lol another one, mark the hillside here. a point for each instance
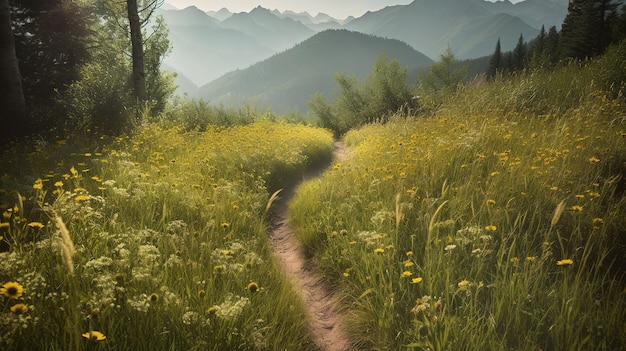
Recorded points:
(207, 45)
(203, 50)
(285, 81)
(471, 27)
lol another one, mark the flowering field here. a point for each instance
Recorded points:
(499, 230)
(155, 242)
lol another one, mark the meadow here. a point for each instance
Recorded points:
(493, 221)
(155, 242)
(495, 224)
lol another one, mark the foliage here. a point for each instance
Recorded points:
(493, 225)
(152, 243)
(441, 80)
(383, 94)
(199, 115)
(52, 42)
(112, 50)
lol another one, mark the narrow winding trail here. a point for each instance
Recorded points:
(319, 300)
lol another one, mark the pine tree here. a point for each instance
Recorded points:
(552, 45)
(519, 54)
(495, 64)
(586, 31)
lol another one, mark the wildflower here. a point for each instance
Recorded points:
(219, 268)
(343, 232)
(576, 208)
(406, 274)
(201, 293)
(531, 259)
(94, 336)
(554, 188)
(37, 225)
(594, 159)
(225, 225)
(253, 287)
(81, 198)
(493, 174)
(597, 220)
(58, 184)
(5, 225)
(491, 202)
(408, 264)
(450, 247)
(19, 308)
(409, 253)
(491, 228)
(379, 251)
(12, 290)
(38, 184)
(421, 304)
(153, 297)
(514, 260)
(416, 280)
(464, 284)
(211, 310)
(565, 262)
(580, 196)
(346, 274)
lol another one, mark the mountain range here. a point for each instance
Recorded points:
(208, 45)
(285, 81)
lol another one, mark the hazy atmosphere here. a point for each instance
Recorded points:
(415, 175)
(338, 9)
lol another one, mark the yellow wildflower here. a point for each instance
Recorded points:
(576, 208)
(12, 290)
(253, 287)
(379, 251)
(416, 280)
(594, 159)
(38, 225)
(38, 184)
(565, 262)
(491, 228)
(464, 284)
(94, 336)
(82, 198)
(406, 274)
(19, 308)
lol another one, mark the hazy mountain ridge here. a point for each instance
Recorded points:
(209, 44)
(285, 81)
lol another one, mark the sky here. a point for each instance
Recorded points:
(337, 8)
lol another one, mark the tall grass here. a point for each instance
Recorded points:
(495, 225)
(169, 238)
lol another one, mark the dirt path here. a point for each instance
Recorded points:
(319, 299)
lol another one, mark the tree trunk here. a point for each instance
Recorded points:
(12, 103)
(139, 76)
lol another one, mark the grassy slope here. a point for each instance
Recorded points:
(169, 233)
(450, 232)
